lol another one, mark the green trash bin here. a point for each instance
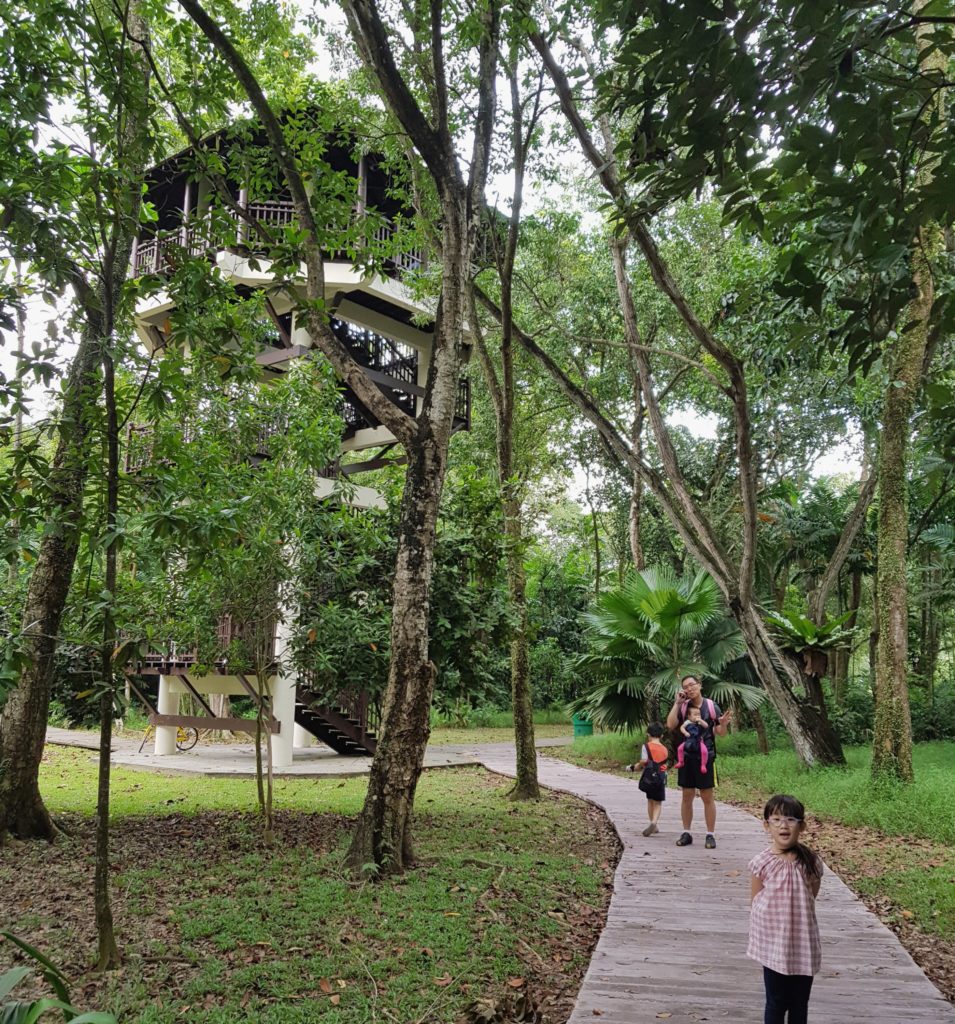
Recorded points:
(582, 726)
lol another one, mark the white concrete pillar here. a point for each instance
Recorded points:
(283, 707)
(168, 704)
(303, 738)
(283, 694)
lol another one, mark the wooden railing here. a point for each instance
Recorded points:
(377, 352)
(360, 706)
(171, 658)
(163, 253)
(141, 442)
(462, 405)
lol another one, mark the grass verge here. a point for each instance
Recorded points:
(494, 734)
(506, 899)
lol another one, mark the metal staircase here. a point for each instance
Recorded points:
(342, 727)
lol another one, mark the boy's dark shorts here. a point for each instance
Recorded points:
(657, 792)
(690, 776)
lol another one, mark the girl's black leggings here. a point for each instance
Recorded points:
(786, 993)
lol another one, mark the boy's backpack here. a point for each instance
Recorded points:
(652, 777)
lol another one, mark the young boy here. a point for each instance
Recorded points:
(655, 750)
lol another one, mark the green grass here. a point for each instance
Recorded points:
(215, 928)
(67, 786)
(925, 809)
(607, 750)
(491, 734)
(923, 895)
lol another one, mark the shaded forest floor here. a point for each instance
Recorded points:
(500, 915)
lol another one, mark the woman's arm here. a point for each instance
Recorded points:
(673, 718)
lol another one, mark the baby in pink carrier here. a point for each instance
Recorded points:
(693, 745)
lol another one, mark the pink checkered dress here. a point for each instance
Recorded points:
(783, 933)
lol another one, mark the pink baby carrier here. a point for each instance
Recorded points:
(710, 715)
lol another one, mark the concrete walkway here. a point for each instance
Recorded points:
(673, 947)
(238, 759)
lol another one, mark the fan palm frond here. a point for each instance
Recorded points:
(720, 643)
(647, 636)
(725, 693)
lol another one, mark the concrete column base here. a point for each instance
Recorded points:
(168, 704)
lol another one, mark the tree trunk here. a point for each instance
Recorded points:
(23, 730)
(762, 742)
(108, 953)
(108, 957)
(382, 840)
(814, 739)
(929, 634)
(596, 532)
(636, 480)
(23, 727)
(840, 674)
(892, 731)
(526, 786)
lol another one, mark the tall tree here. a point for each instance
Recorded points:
(812, 734)
(382, 842)
(907, 358)
(52, 196)
(504, 397)
(825, 130)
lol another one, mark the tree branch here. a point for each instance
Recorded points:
(351, 372)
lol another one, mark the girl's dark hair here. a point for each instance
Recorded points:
(654, 729)
(789, 807)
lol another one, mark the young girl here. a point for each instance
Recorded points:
(783, 933)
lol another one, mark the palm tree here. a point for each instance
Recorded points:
(646, 636)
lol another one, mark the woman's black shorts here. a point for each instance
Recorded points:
(690, 776)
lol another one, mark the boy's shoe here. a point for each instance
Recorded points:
(629, 768)
(651, 829)
(710, 843)
(686, 839)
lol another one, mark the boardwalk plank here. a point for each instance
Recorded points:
(673, 948)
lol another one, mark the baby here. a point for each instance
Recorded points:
(693, 745)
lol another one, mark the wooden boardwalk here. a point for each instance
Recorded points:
(673, 948)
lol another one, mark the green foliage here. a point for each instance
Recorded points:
(647, 636)
(469, 621)
(801, 634)
(14, 1011)
(345, 596)
(812, 122)
(557, 594)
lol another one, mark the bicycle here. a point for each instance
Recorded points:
(186, 737)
